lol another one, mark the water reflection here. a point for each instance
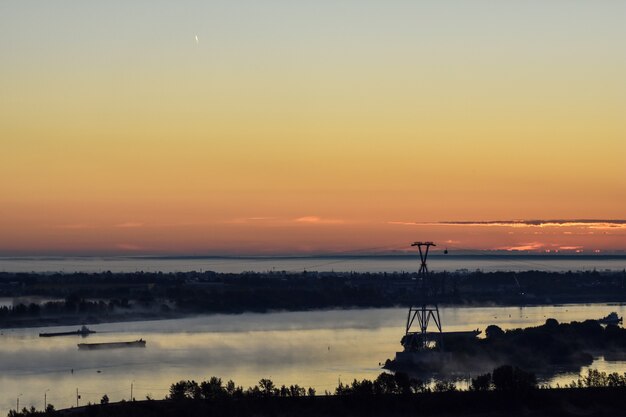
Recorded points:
(308, 348)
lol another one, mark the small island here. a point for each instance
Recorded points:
(538, 349)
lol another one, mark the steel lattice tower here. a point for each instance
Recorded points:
(425, 311)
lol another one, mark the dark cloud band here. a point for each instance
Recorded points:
(559, 222)
(591, 223)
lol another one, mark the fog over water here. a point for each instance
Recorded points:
(298, 264)
(315, 348)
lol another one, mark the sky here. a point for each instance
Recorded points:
(288, 127)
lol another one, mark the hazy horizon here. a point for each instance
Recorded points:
(358, 253)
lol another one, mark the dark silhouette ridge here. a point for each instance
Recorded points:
(507, 391)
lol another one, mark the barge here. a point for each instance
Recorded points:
(83, 331)
(112, 345)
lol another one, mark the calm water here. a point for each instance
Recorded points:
(308, 348)
(340, 264)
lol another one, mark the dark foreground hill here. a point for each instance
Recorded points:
(541, 402)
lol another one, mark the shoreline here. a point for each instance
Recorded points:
(45, 322)
(76, 299)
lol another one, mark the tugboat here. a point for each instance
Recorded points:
(112, 345)
(612, 318)
(83, 331)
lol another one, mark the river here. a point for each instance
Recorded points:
(315, 348)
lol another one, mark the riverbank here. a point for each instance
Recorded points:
(75, 299)
(80, 320)
(129, 317)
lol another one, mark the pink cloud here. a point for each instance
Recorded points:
(243, 220)
(129, 225)
(570, 247)
(75, 226)
(409, 223)
(523, 247)
(129, 247)
(308, 219)
(317, 220)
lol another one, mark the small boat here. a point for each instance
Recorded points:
(83, 331)
(612, 318)
(112, 345)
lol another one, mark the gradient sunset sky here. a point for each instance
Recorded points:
(286, 127)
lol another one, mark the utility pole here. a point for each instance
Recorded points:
(18, 403)
(131, 391)
(45, 399)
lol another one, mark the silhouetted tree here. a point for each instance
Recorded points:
(267, 387)
(508, 378)
(212, 388)
(481, 383)
(444, 386)
(185, 390)
(403, 383)
(386, 384)
(552, 323)
(493, 332)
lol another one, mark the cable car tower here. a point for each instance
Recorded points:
(425, 311)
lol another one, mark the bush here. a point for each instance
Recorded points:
(481, 383)
(183, 390)
(507, 378)
(493, 332)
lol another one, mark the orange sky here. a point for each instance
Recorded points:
(289, 128)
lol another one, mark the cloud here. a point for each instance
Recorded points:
(308, 219)
(317, 220)
(584, 223)
(244, 220)
(570, 247)
(284, 221)
(129, 225)
(129, 246)
(523, 247)
(75, 226)
(410, 223)
(82, 226)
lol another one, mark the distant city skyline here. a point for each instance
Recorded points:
(290, 127)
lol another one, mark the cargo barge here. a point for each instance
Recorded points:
(112, 345)
(83, 331)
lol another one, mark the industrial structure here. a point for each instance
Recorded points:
(424, 338)
(425, 310)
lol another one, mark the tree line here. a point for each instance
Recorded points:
(508, 381)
